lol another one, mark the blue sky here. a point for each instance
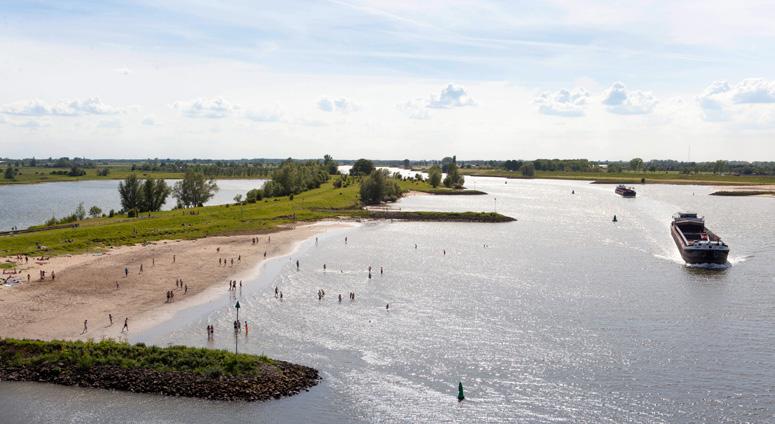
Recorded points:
(388, 79)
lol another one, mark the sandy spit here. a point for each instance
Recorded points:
(86, 287)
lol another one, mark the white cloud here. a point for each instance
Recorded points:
(37, 107)
(215, 107)
(415, 109)
(149, 121)
(451, 96)
(721, 101)
(563, 102)
(337, 105)
(628, 102)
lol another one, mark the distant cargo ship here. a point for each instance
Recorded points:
(625, 191)
(697, 244)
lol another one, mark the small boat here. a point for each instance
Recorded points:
(697, 244)
(624, 191)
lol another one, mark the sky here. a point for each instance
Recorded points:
(388, 79)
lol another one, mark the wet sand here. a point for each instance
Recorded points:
(85, 284)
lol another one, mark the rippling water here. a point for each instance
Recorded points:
(23, 205)
(560, 316)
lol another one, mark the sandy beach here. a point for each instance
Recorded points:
(91, 286)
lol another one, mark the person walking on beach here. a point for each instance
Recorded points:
(246, 327)
(141, 268)
(153, 261)
(126, 325)
(126, 272)
(324, 268)
(275, 291)
(185, 291)
(345, 240)
(173, 259)
(297, 264)
(340, 297)
(110, 317)
(381, 271)
(53, 276)
(85, 329)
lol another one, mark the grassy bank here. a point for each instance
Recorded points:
(176, 370)
(743, 193)
(264, 216)
(441, 216)
(425, 187)
(630, 177)
(31, 175)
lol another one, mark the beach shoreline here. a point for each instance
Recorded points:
(85, 284)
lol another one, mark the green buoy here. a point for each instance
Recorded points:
(460, 395)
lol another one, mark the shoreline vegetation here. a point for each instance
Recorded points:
(172, 371)
(628, 177)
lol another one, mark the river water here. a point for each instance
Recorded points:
(561, 316)
(23, 205)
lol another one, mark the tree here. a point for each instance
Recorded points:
(636, 164)
(80, 212)
(95, 211)
(130, 193)
(362, 167)
(528, 169)
(377, 187)
(238, 198)
(512, 165)
(10, 172)
(719, 166)
(434, 176)
(453, 178)
(194, 190)
(331, 166)
(154, 194)
(254, 195)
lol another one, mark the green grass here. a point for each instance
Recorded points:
(6, 265)
(425, 187)
(631, 177)
(263, 216)
(31, 175)
(83, 355)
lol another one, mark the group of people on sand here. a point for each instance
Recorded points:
(233, 285)
(124, 329)
(210, 331)
(179, 284)
(224, 261)
(277, 293)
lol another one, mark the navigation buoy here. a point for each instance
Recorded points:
(460, 395)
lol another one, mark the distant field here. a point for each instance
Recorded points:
(631, 177)
(31, 175)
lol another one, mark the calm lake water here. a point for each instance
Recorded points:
(563, 317)
(23, 205)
